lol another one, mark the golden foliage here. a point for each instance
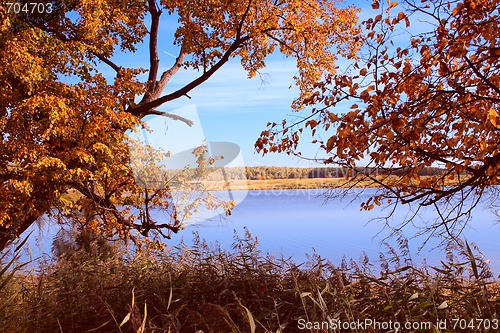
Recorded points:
(63, 122)
(430, 101)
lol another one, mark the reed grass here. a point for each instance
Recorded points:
(203, 288)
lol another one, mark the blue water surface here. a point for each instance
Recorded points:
(294, 223)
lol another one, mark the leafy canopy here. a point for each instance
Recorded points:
(414, 100)
(63, 122)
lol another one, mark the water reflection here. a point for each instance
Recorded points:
(296, 222)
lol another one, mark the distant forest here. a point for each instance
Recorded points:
(273, 172)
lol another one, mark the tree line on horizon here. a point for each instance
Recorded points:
(276, 172)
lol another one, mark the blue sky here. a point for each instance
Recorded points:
(231, 107)
(235, 109)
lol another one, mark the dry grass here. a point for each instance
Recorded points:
(313, 183)
(204, 288)
(307, 183)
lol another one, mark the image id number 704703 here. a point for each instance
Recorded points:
(29, 7)
(477, 324)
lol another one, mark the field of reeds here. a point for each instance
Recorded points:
(203, 288)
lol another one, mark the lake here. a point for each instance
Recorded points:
(297, 222)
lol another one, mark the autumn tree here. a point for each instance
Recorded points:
(423, 91)
(63, 122)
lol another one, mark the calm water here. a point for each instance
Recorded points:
(296, 222)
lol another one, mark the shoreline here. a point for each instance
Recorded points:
(301, 183)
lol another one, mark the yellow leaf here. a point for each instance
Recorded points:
(492, 117)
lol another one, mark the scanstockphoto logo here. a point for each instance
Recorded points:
(170, 151)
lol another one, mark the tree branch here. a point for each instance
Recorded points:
(188, 122)
(282, 43)
(481, 75)
(167, 75)
(242, 21)
(107, 62)
(103, 203)
(154, 61)
(142, 109)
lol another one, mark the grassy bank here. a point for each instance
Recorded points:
(206, 289)
(306, 183)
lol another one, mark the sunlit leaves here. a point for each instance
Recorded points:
(432, 99)
(59, 136)
(312, 32)
(63, 121)
(493, 117)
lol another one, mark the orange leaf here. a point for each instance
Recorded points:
(492, 117)
(330, 143)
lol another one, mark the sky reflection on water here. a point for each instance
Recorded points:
(296, 222)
